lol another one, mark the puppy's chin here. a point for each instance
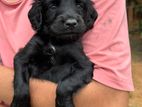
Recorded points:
(66, 35)
(70, 37)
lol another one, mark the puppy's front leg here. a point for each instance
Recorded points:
(21, 84)
(68, 86)
(83, 70)
(22, 73)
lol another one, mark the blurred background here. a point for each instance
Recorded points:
(134, 11)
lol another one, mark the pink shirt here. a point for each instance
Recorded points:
(107, 44)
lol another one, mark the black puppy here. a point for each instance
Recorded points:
(55, 52)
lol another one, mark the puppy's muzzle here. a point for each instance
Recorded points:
(70, 23)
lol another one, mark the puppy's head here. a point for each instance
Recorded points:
(62, 18)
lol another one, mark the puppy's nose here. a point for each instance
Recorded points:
(71, 23)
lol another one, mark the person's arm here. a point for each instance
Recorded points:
(6, 90)
(6, 85)
(43, 93)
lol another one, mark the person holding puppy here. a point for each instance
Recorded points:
(107, 46)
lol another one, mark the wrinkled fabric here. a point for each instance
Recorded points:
(1, 61)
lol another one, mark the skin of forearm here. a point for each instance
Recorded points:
(6, 84)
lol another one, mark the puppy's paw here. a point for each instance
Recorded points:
(20, 102)
(64, 102)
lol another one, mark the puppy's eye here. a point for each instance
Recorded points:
(52, 7)
(79, 5)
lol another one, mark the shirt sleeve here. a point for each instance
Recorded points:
(107, 45)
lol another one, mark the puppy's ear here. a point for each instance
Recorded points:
(91, 15)
(35, 15)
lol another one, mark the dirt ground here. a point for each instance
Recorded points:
(136, 47)
(136, 96)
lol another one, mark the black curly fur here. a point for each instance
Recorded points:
(55, 52)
